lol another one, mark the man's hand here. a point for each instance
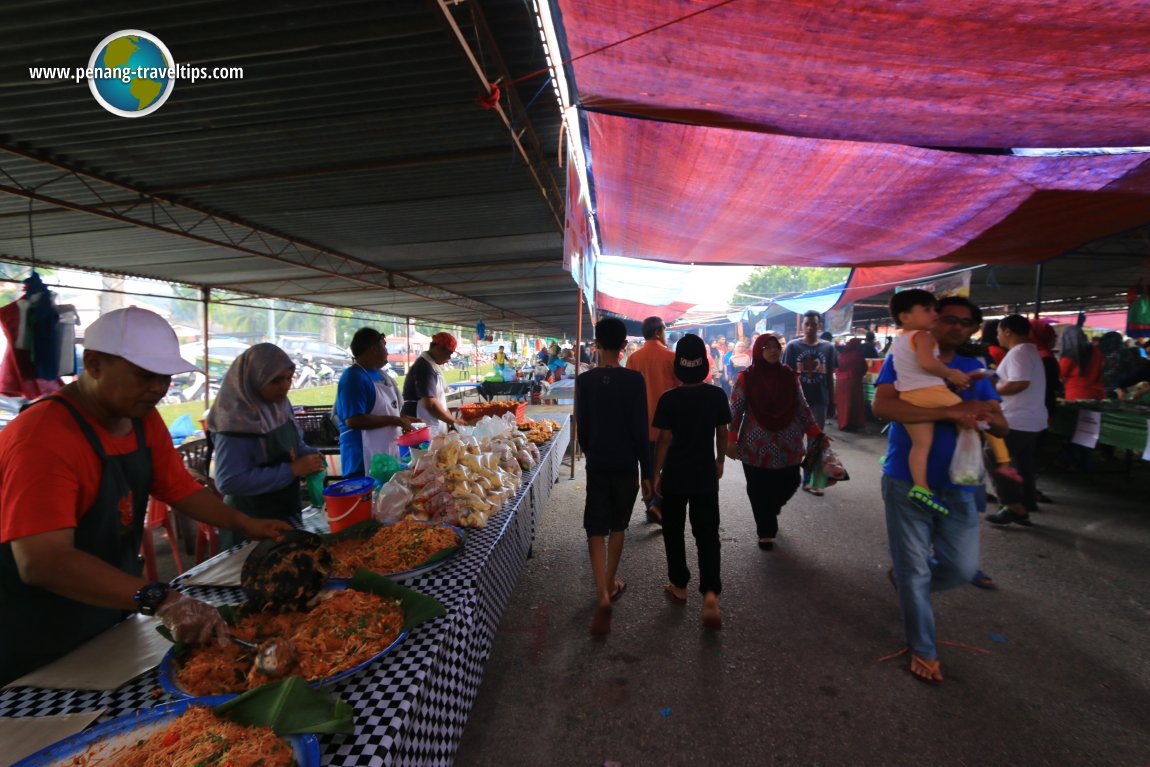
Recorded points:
(968, 414)
(258, 529)
(648, 490)
(719, 468)
(191, 620)
(405, 422)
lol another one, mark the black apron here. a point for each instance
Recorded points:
(38, 626)
(280, 445)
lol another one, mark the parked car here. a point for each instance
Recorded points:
(317, 352)
(399, 358)
(222, 352)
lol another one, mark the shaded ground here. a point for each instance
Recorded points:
(794, 677)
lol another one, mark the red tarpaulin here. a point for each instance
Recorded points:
(868, 281)
(638, 311)
(688, 194)
(941, 73)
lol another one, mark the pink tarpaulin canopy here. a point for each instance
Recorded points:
(639, 311)
(952, 73)
(688, 194)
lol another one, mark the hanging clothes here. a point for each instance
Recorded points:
(1138, 315)
(31, 363)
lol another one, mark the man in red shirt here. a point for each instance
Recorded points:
(657, 364)
(76, 471)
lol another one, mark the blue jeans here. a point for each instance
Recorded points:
(912, 534)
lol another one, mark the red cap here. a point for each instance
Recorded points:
(446, 340)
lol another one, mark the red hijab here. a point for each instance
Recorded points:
(771, 390)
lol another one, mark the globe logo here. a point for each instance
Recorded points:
(131, 73)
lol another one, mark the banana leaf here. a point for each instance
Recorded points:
(290, 707)
(417, 608)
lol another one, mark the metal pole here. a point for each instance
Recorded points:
(578, 358)
(407, 357)
(206, 297)
(1037, 291)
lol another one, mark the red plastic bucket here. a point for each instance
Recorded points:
(348, 502)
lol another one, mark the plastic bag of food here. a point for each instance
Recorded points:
(966, 466)
(390, 504)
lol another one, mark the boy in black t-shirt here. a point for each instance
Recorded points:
(611, 426)
(692, 421)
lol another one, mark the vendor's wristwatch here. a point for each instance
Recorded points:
(151, 597)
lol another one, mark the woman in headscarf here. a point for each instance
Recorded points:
(850, 404)
(771, 417)
(260, 454)
(1080, 365)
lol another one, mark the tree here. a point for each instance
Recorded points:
(770, 281)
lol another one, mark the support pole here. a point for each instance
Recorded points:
(578, 362)
(1037, 291)
(206, 297)
(407, 357)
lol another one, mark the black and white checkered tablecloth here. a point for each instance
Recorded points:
(411, 706)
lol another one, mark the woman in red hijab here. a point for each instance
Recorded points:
(770, 417)
(850, 404)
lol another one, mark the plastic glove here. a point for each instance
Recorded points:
(193, 621)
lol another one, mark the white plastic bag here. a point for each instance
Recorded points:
(966, 466)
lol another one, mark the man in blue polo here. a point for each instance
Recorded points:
(929, 551)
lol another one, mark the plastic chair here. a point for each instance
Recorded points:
(158, 519)
(207, 541)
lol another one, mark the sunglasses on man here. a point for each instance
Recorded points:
(950, 319)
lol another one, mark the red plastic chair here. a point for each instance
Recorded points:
(158, 519)
(207, 541)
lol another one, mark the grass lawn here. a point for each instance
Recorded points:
(316, 395)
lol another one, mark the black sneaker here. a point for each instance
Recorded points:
(1005, 516)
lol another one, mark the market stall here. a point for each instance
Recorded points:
(1104, 422)
(412, 705)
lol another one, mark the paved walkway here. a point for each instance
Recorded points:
(794, 677)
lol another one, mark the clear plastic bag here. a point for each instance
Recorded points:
(391, 501)
(966, 466)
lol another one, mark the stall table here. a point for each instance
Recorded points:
(520, 390)
(1123, 425)
(410, 707)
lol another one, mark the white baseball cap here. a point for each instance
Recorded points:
(141, 337)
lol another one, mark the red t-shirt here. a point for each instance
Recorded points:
(1083, 384)
(49, 474)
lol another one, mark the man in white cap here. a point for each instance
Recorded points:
(76, 471)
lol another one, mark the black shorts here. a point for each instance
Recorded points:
(610, 500)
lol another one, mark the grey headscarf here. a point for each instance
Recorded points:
(1076, 346)
(239, 408)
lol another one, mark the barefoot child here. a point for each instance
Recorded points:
(921, 381)
(692, 421)
(611, 421)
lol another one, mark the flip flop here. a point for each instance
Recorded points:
(930, 666)
(812, 490)
(620, 587)
(669, 591)
(601, 623)
(983, 581)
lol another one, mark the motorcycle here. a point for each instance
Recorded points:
(185, 388)
(306, 374)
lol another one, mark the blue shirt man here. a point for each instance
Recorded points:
(931, 552)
